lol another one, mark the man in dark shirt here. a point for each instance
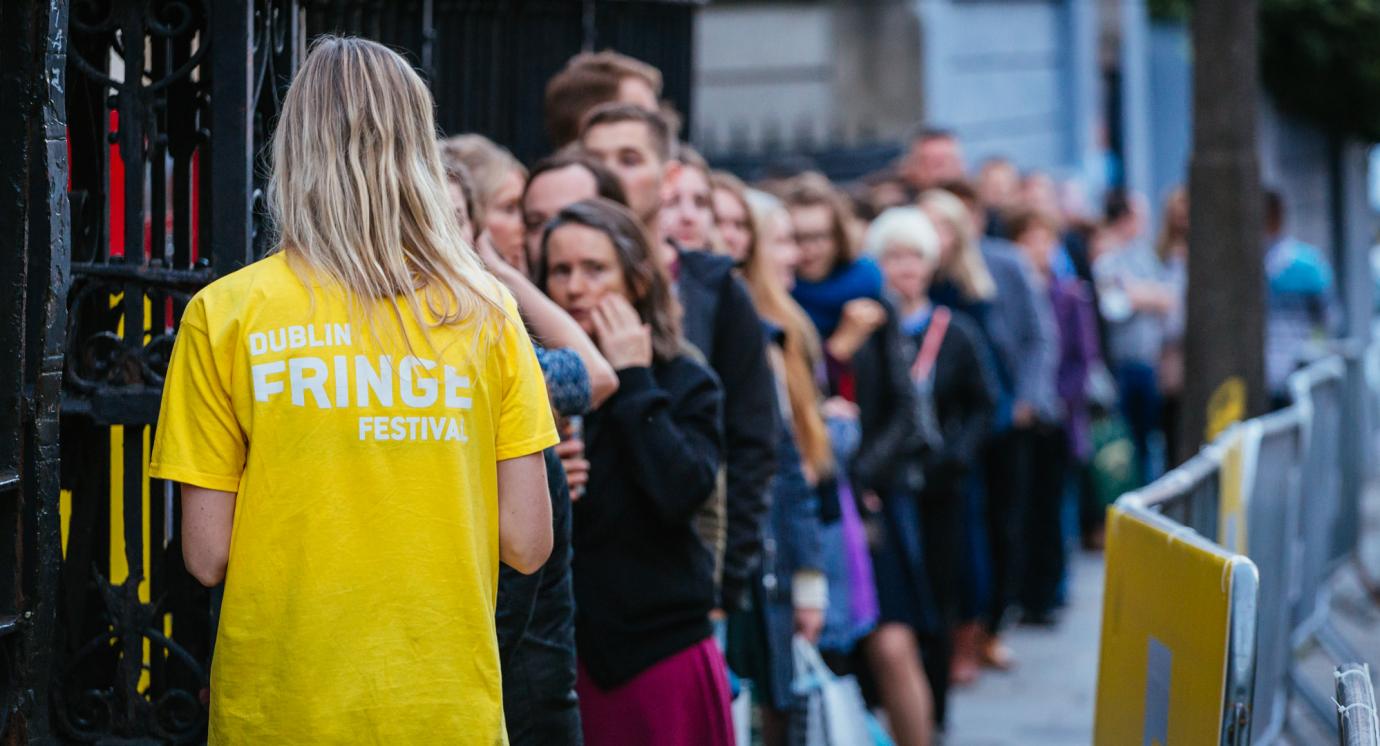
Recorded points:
(720, 321)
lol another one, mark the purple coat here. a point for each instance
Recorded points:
(1078, 354)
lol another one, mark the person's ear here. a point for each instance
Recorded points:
(669, 173)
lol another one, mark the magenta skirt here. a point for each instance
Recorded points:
(681, 701)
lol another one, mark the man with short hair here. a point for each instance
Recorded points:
(719, 320)
(637, 146)
(999, 188)
(935, 158)
(593, 78)
(558, 181)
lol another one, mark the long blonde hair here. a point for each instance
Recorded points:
(358, 193)
(964, 266)
(802, 353)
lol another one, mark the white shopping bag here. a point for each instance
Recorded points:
(742, 715)
(834, 711)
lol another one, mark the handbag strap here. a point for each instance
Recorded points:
(929, 346)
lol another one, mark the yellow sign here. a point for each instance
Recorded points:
(1162, 669)
(1231, 503)
(1236, 480)
(1226, 406)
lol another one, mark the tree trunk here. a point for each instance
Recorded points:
(1225, 342)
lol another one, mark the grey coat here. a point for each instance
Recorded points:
(1021, 329)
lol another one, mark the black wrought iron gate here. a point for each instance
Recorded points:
(167, 106)
(132, 135)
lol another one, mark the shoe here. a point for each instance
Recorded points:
(964, 668)
(995, 654)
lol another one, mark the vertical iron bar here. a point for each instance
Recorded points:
(156, 137)
(133, 117)
(589, 28)
(50, 255)
(428, 38)
(232, 136)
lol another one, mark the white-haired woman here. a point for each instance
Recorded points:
(357, 423)
(956, 394)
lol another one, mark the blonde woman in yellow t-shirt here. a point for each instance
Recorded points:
(356, 422)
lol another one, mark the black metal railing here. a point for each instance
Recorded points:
(151, 119)
(488, 61)
(171, 106)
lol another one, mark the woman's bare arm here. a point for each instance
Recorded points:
(207, 518)
(524, 513)
(553, 326)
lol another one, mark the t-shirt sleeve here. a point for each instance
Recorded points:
(199, 439)
(525, 423)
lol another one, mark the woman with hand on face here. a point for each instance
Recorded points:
(843, 296)
(650, 672)
(535, 614)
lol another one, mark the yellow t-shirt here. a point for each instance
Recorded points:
(360, 590)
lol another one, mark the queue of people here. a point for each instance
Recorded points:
(696, 420)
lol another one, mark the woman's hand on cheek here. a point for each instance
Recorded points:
(624, 340)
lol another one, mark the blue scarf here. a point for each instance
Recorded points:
(823, 301)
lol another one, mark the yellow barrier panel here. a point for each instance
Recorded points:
(1240, 452)
(1166, 633)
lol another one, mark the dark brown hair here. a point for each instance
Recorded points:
(964, 191)
(589, 79)
(642, 273)
(657, 128)
(1019, 221)
(812, 189)
(606, 184)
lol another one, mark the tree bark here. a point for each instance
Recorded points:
(1225, 341)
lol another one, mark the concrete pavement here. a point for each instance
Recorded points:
(1047, 700)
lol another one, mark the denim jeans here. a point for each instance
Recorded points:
(1139, 387)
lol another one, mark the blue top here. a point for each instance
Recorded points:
(567, 381)
(824, 300)
(1300, 307)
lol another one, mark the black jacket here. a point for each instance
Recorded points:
(644, 581)
(535, 621)
(722, 323)
(886, 404)
(965, 397)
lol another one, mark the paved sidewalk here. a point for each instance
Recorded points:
(1048, 699)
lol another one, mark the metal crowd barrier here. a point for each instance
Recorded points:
(1356, 719)
(1177, 656)
(1283, 490)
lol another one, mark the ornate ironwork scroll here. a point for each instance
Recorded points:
(171, 102)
